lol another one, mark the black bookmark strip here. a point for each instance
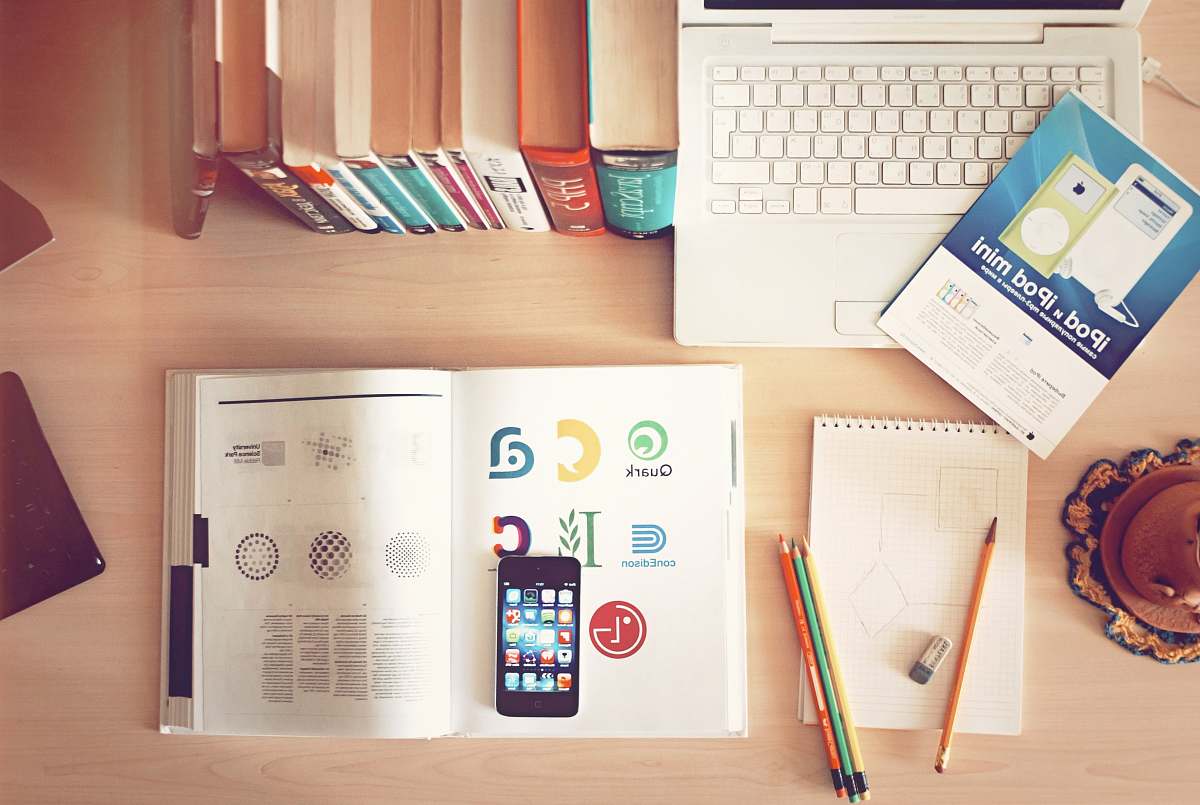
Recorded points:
(199, 540)
(330, 397)
(179, 646)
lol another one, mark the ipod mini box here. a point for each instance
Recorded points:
(1054, 276)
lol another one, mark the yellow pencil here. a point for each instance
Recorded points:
(985, 561)
(856, 757)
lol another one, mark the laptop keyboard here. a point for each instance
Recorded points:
(874, 140)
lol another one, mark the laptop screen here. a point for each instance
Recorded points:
(916, 5)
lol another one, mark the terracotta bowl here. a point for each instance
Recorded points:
(1143, 547)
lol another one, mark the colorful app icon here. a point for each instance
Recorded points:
(547, 596)
(512, 616)
(512, 635)
(566, 616)
(529, 658)
(546, 637)
(512, 656)
(529, 680)
(512, 595)
(547, 681)
(566, 596)
(531, 596)
(564, 656)
(531, 616)
(547, 656)
(564, 681)
(512, 679)
(530, 636)
(548, 617)
(564, 637)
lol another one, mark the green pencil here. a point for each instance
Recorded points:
(831, 702)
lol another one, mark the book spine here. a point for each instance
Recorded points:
(637, 189)
(339, 199)
(568, 187)
(264, 169)
(506, 179)
(470, 180)
(438, 165)
(408, 174)
(365, 198)
(391, 194)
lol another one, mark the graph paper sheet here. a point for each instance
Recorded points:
(899, 511)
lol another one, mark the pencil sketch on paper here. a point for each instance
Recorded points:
(907, 571)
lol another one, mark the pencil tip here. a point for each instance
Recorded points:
(938, 768)
(804, 549)
(991, 535)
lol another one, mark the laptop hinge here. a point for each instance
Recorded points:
(884, 33)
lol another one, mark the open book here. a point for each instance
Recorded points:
(331, 539)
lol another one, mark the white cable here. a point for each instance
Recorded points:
(1152, 71)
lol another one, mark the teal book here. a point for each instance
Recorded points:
(391, 195)
(637, 191)
(631, 76)
(408, 175)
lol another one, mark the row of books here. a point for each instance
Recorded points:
(433, 115)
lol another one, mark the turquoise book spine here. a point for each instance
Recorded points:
(391, 195)
(637, 191)
(405, 171)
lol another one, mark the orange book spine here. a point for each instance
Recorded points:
(565, 179)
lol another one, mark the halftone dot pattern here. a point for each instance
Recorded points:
(329, 555)
(331, 452)
(407, 554)
(256, 556)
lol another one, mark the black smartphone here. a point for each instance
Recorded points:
(537, 636)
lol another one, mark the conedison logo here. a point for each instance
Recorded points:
(648, 538)
(647, 440)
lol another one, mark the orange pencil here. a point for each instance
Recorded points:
(810, 662)
(985, 560)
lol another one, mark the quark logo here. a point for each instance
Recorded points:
(617, 629)
(589, 445)
(647, 440)
(520, 455)
(648, 538)
(524, 535)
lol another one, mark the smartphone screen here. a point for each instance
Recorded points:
(537, 638)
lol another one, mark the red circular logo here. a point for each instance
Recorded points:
(617, 629)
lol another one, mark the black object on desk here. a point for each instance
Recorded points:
(45, 546)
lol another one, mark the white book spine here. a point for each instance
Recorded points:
(489, 96)
(506, 179)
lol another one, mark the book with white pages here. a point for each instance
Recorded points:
(331, 540)
(489, 112)
(899, 509)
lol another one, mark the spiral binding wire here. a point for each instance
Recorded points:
(909, 424)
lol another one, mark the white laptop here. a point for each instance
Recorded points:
(826, 147)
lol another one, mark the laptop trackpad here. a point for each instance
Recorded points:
(871, 268)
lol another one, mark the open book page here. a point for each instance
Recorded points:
(324, 608)
(636, 472)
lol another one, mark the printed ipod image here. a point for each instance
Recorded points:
(1129, 232)
(1058, 214)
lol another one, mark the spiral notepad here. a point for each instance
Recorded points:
(898, 512)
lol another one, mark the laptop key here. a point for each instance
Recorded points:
(835, 200)
(914, 200)
(804, 200)
(731, 95)
(741, 172)
(725, 73)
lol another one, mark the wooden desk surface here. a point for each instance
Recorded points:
(92, 322)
